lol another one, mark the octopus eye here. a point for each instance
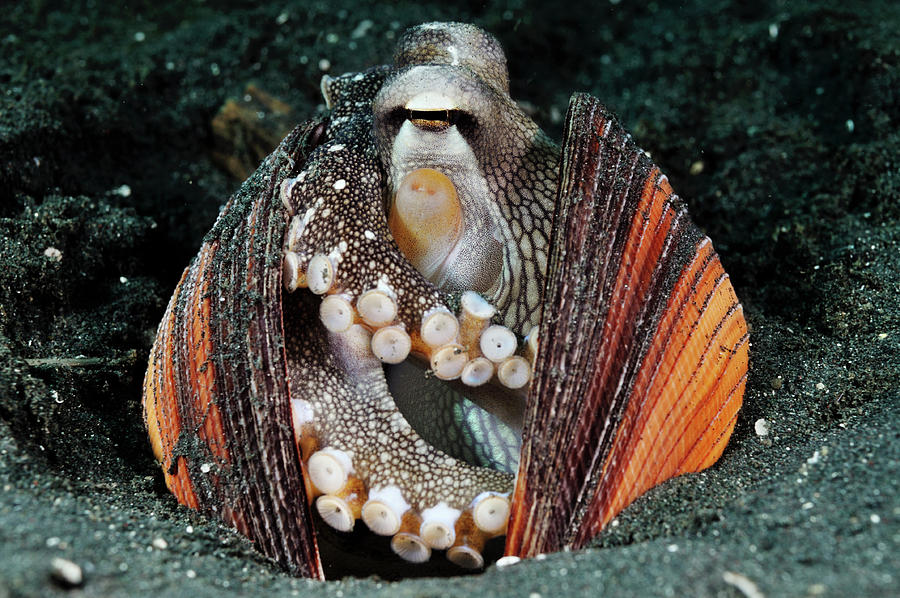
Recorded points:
(433, 120)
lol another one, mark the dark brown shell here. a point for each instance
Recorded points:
(215, 394)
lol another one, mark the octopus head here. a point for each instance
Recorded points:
(459, 155)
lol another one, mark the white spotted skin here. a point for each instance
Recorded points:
(341, 194)
(356, 414)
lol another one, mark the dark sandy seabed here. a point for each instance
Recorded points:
(777, 123)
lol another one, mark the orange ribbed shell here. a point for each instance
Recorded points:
(643, 344)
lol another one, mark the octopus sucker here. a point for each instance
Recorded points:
(424, 321)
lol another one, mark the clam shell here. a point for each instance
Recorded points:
(215, 395)
(643, 344)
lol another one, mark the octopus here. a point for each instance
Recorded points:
(447, 338)
(468, 183)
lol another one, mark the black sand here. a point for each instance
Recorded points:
(778, 124)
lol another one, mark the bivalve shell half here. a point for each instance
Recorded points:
(643, 346)
(215, 393)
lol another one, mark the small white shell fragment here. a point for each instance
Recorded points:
(761, 426)
(744, 584)
(515, 372)
(391, 344)
(506, 561)
(439, 328)
(53, 253)
(498, 343)
(320, 274)
(477, 372)
(336, 313)
(335, 512)
(328, 469)
(376, 308)
(448, 361)
(491, 512)
(66, 572)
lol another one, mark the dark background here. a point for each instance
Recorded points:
(778, 123)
